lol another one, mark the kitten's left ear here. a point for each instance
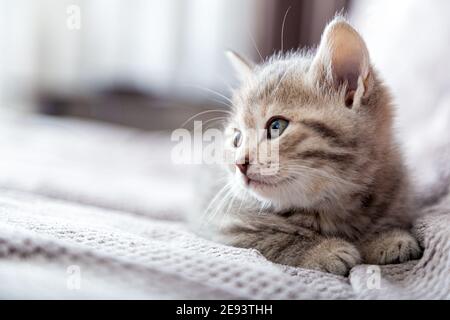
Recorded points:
(343, 59)
(242, 66)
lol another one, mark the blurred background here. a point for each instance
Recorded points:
(146, 63)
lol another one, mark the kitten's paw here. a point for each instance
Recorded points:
(334, 256)
(392, 247)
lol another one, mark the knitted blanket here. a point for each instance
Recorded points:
(96, 211)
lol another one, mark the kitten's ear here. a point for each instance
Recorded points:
(242, 67)
(343, 59)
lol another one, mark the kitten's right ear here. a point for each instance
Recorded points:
(343, 59)
(242, 66)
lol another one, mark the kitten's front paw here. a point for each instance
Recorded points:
(334, 256)
(392, 247)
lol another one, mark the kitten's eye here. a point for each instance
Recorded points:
(276, 128)
(237, 139)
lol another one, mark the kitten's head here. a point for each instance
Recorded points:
(324, 113)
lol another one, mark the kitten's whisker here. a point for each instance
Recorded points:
(221, 204)
(267, 205)
(242, 202)
(261, 208)
(211, 91)
(215, 199)
(227, 212)
(226, 104)
(255, 45)
(203, 113)
(215, 119)
(282, 28)
(226, 83)
(224, 212)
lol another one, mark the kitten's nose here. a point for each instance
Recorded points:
(243, 166)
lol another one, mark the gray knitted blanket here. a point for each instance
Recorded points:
(90, 211)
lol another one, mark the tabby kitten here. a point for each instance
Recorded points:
(340, 195)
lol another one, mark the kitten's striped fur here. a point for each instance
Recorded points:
(341, 195)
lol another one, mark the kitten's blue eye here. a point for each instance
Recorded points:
(276, 128)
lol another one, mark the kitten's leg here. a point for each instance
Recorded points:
(306, 250)
(394, 246)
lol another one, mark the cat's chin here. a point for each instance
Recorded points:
(276, 192)
(278, 195)
(265, 191)
(255, 184)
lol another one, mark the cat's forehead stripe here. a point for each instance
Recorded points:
(287, 86)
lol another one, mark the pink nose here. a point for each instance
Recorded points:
(243, 167)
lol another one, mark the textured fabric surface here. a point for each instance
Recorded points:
(56, 217)
(120, 255)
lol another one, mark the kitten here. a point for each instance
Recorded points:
(341, 193)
